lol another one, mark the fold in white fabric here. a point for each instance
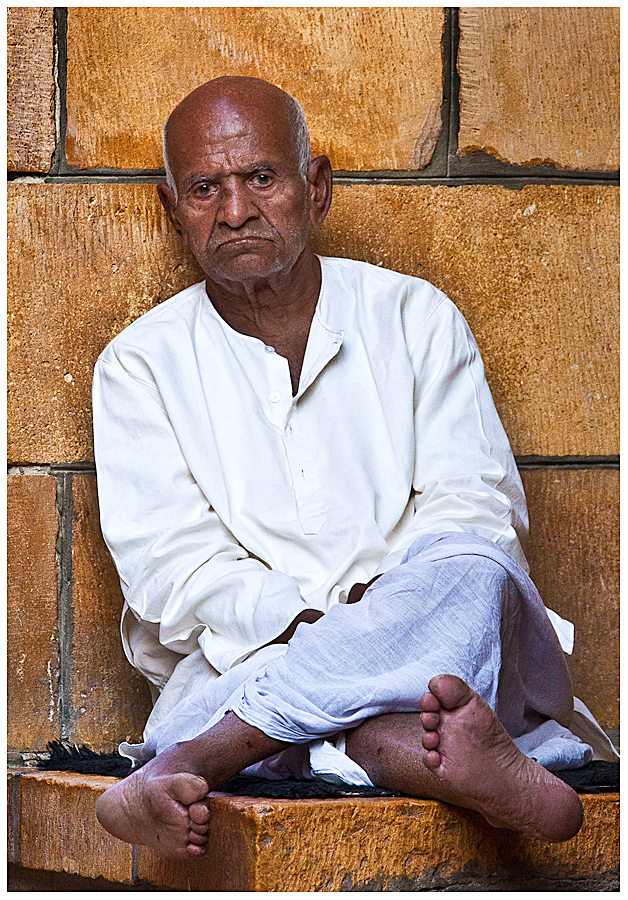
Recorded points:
(554, 747)
(457, 604)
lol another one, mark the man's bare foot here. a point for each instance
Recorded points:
(162, 805)
(165, 812)
(477, 766)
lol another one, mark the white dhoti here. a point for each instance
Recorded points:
(457, 604)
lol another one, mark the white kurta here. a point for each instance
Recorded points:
(229, 506)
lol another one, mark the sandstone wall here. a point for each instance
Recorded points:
(477, 149)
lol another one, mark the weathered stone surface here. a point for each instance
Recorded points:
(84, 262)
(375, 845)
(313, 845)
(541, 85)
(129, 67)
(111, 700)
(30, 88)
(21, 879)
(59, 830)
(574, 561)
(32, 665)
(534, 271)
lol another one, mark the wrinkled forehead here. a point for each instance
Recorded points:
(224, 123)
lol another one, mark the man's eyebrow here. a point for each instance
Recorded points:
(193, 179)
(197, 177)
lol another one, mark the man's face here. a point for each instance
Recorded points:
(242, 207)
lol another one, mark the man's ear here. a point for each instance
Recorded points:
(169, 203)
(319, 178)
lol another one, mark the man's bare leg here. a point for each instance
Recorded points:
(457, 751)
(161, 805)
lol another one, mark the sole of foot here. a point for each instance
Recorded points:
(164, 812)
(477, 766)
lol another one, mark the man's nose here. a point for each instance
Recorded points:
(236, 205)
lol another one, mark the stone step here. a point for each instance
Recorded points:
(380, 844)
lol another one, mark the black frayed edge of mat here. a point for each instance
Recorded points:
(594, 778)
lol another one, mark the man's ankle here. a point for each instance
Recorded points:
(223, 750)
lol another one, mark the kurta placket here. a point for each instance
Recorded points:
(283, 411)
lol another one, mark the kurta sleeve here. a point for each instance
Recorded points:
(182, 571)
(465, 476)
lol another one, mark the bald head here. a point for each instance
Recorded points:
(242, 191)
(232, 94)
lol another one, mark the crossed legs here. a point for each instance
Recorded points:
(454, 750)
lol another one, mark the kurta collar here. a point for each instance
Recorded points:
(326, 332)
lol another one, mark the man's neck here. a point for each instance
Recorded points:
(271, 306)
(277, 310)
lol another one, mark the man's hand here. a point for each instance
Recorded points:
(313, 615)
(308, 615)
(357, 591)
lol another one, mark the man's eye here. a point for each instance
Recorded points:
(203, 189)
(261, 179)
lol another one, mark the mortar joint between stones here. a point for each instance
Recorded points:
(65, 610)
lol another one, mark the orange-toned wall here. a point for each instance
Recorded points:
(497, 182)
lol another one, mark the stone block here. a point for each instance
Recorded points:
(376, 845)
(111, 700)
(574, 560)
(21, 879)
(541, 85)
(30, 88)
(129, 67)
(316, 845)
(84, 262)
(535, 273)
(59, 830)
(33, 647)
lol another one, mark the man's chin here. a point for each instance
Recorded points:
(245, 266)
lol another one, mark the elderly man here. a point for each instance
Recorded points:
(315, 514)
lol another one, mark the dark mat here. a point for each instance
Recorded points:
(594, 778)
(70, 758)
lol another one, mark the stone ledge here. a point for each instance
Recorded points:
(310, 845)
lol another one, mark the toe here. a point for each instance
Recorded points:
(430, 720)
(199, 829)
(451, 691)
(430, 740)
(195, 850)
(429, 703)
(199, 813)
(199, 840)
(431, 759)
(187, 788)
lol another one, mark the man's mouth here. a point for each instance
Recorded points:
(243, 240)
